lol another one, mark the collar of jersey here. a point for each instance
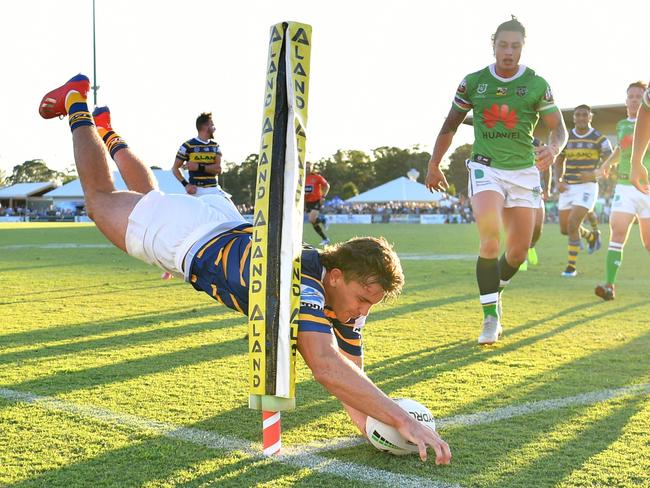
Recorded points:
(493, 72)
(579, 136)
(201, 140)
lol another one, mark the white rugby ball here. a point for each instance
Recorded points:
(388, 439)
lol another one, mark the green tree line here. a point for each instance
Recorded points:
(349, 172)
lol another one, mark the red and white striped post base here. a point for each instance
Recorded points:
(271, 433)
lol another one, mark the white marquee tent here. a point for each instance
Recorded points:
(401, 189)
(71, 195)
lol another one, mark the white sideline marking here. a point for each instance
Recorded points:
(498, 414)
(59, 245)
(73, 245)
(212, 440)
(437, 257)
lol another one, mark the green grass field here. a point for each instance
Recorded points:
(110, 376)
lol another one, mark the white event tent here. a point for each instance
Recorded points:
(71, 195)
(400, 189)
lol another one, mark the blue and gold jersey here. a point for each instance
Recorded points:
(197, 151)
(221, 269)
(584, 153)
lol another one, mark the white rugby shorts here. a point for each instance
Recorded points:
(162, 227)
(579, 195)
(627, 199)
(519, 188)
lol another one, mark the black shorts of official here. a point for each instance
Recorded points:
(309, 206)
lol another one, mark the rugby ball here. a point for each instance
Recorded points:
(388, 439)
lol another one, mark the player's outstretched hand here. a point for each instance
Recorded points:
(544, 155)
(436, 180)
(639, 178)
(190, 189)
(424, 437)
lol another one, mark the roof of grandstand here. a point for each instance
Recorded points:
(72, 190)
(22, 191)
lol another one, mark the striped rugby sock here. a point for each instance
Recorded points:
(613, 261)
(77, 108)
(574, 249)
(112, 140)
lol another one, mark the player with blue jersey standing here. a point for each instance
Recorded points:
(575, 179)
(201, 156)
(504, 181)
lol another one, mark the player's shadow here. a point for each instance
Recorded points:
(46, 296)
(613, 367)
(157, 460)
(67, 381)
(408, 308)
(107, 326)
(590, 437)
(407, 370)
(425, 365)
(152, 336)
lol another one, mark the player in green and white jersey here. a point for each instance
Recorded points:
(504, 183)
(629, 203)
(639, 173)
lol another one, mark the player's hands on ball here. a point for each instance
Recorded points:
(190, 189)
(436, 180)
(423, 437)
(544, 155)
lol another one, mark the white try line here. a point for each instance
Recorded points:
(57, 245)
(498, 414)
(294, 456)
(73, 245)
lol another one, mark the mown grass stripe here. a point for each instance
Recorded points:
(212, 440)
(498, 414)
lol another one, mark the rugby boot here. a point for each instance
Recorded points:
(606, 292)
(491, 330)
(102, 117)
(569, 272)
(53, 103)
(594, 242)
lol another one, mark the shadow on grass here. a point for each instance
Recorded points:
(68, 381)
(74, 331)
(45, 298)
(126, 340)
(552, 467)
(161, 461)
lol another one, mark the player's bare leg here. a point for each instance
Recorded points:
(135, 173)
(487, 207)
(109, 208)
(620, 224)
